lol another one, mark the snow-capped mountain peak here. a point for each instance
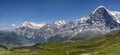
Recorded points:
(99, 9)
(60, 22)
(31, 25)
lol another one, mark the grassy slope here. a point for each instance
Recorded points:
(109, 45)
(110, 50)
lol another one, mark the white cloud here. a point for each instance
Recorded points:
(13, 25)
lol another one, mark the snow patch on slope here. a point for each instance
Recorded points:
(116, 15)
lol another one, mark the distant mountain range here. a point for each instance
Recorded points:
(95, 25)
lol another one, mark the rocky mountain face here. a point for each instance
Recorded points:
(100, 21)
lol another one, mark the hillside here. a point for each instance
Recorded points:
(102, 46)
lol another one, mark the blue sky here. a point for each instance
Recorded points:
(46, 11)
